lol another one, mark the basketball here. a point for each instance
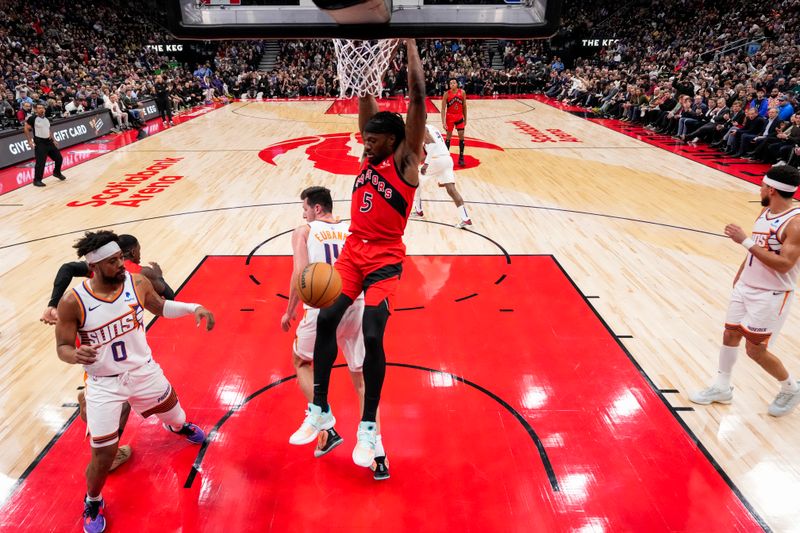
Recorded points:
(319, 285)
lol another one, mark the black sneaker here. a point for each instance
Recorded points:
(60, 176)
(380, 468)
(461, 161)
(39, 183)
(327, 441)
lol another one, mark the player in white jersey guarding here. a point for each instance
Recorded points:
(439, 166)
(321, 240)
(107, 311)
(763, 291)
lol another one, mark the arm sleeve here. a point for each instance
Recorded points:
(168, 293)
(64, 278)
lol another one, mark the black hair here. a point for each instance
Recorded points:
(92, 240)
(40, 104)
(318, 196)
(127, 243)
(388, 123)
(787, 175)
(452, 78)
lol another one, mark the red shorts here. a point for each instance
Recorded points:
(457, 121)
(373, 267)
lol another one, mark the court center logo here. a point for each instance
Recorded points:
(334, 152)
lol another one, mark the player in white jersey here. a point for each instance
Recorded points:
(321, 241)
(763, 290)
(107, 311)
(438, 165)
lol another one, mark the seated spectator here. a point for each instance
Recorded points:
(120, 118)
(24, 112)
(771, 149)
(785, 108)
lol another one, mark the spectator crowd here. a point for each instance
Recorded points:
(670, 68)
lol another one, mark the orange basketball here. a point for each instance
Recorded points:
(319, 285)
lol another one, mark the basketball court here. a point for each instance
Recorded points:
(539, 362)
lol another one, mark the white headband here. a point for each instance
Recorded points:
(778, 185)
(104, 252)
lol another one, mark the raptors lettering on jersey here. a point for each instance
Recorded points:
(381, 202)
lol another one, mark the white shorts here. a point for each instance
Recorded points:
(440, 168)
(757, 313)
(349, 335)
(145, 388)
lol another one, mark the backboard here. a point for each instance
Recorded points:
(290, 19)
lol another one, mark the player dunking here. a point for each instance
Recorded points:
(439, 166)
(107, 311)
(372, 259)
(322, 239)
(763, 290)
(454, 115)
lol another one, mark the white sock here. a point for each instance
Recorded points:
(379, 451)
(417, 201)
(174, 418)
(789, 385)
(462, 212)
(94, 498)
(727, 358)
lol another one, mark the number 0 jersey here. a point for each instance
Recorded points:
(117, 325)
(768, 233)
(381, 202)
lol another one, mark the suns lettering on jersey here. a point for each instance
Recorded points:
(118, 327)
(761, 240)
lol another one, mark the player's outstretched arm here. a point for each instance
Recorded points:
(167, 308)
(415, 121)
(367, 107)
(443, 108)
(66, 272)
(299, 262)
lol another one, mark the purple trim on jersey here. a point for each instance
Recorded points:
(83, 307)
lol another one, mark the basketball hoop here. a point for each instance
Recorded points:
(362, 64)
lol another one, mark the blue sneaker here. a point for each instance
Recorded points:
(314, 422)
(364, 452)
(192, 432)
(94, 520)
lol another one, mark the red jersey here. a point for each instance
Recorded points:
(455, 102)
(381, 202)
(132, 267)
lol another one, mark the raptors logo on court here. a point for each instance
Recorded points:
(334, 152)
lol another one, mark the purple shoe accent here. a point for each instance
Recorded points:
(192, 432)
(94, 520)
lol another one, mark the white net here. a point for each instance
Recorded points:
(362, 64)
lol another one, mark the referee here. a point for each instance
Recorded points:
(43, 145)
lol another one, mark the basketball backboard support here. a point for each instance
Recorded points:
(292, 19)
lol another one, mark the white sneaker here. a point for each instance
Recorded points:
(417, 214)
(712, 395)
(315, 422)
(364, 452)
(464, 223)
(784, 402)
